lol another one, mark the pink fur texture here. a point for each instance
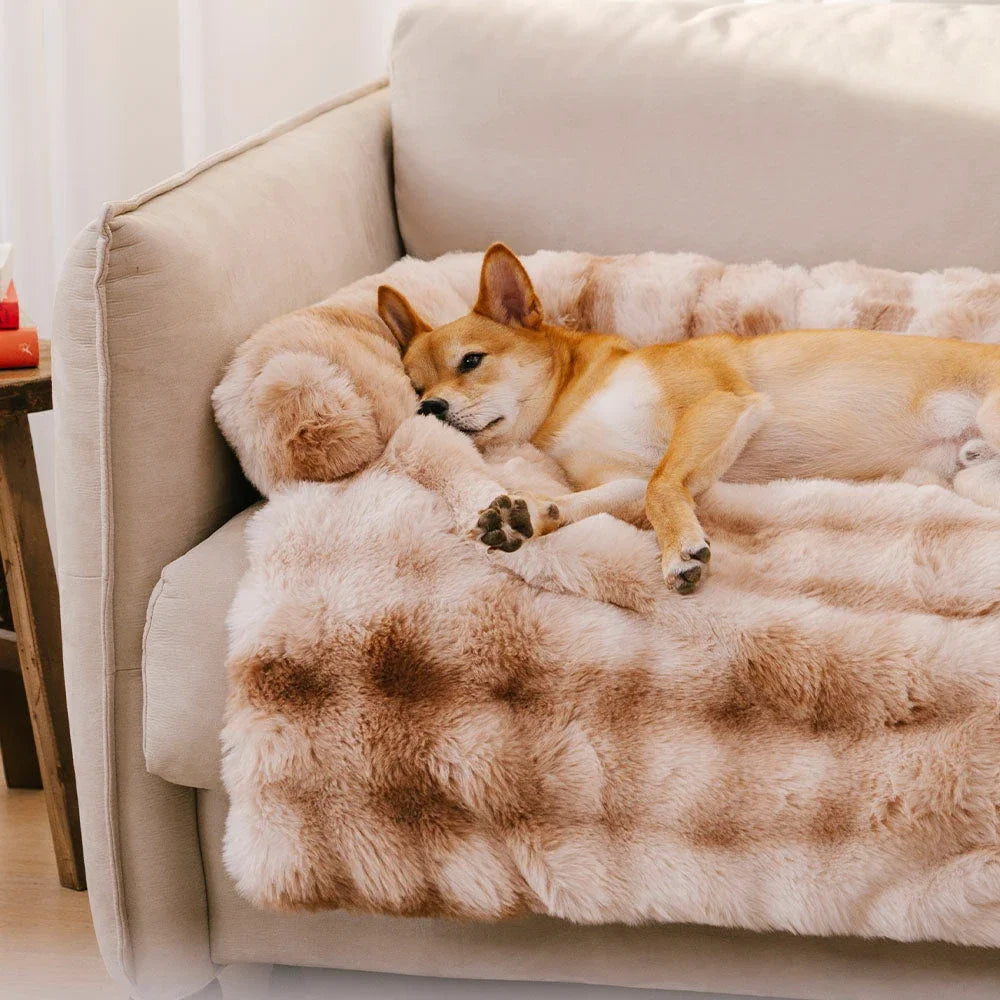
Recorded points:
(420, 727)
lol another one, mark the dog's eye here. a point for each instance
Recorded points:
(470, 361)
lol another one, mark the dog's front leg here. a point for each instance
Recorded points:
(511, 518)
(707, 439)
(621, 498)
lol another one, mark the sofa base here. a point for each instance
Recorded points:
(673, 957)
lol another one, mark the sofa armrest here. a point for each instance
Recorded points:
(154, 298)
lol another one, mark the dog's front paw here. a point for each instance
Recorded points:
(509, 520)
(684, 569)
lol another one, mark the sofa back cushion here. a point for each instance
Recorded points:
(797, 132)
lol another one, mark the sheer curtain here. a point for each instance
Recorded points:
(102, 98)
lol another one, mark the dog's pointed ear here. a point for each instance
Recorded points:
(397, 314)
(506, 294)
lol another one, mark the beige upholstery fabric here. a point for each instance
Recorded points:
(677, 957)
(184, 654)
(153, 299)
(800, 132)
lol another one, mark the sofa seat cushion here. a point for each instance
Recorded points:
(184, 656)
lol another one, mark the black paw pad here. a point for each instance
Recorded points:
(489, 520)
(702, 555)
(505, 524)
(520, 519)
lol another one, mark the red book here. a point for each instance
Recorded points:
(19, 348)
(10, 312)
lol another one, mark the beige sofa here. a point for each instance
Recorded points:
(799, 133)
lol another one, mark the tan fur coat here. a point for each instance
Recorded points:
(417, 726)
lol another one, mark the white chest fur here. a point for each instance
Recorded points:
(617, 432)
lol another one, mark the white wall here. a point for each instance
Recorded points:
(105, 97)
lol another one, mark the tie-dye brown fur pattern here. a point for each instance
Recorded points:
(420, 727)
(484, 738)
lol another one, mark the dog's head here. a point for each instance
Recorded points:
(489, 373)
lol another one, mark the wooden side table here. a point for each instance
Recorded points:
(34, 727)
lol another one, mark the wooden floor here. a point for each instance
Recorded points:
(47, 944)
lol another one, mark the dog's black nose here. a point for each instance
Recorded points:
(434, 407)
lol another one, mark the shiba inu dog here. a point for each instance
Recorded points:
(642, 432)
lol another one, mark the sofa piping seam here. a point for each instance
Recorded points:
(107, 599)
(178, 180)
(204, 873)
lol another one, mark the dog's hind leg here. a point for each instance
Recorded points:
(708, 438)
(988, 418)
(980, 479)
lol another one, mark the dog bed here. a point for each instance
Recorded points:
(420, 727)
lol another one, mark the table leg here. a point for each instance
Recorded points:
(34, 604)
(17, 740)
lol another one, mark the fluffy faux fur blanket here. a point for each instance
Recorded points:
(811, 743)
